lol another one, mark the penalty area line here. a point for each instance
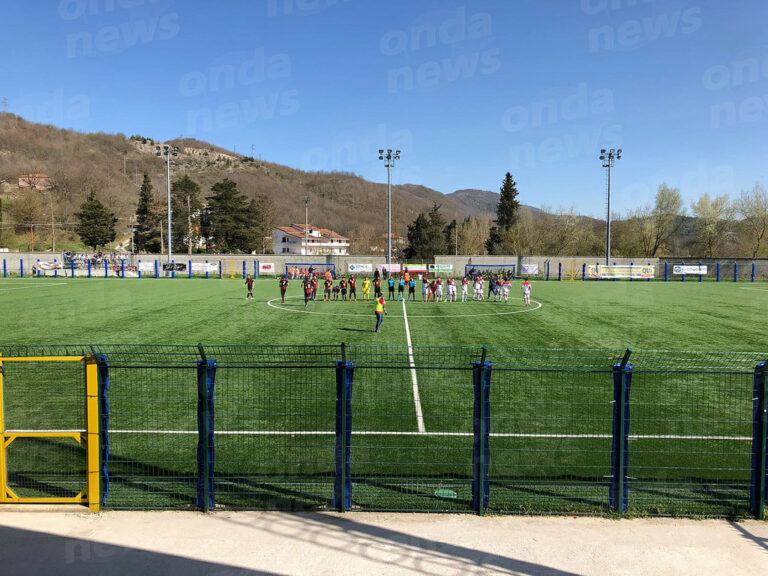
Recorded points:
(414, 379)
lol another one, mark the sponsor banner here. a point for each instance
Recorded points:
(147, 266)
(177, 266)
(266, 268)
(358, 268)
(203, 267)
(682, 269)
(635, 271)
(532, 269)
(49, 265)
(118, 268)
(393, 268)
(416, 268)
(440, 267)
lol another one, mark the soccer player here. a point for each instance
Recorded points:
(527, 292)
(283, 286)
(335, 291)
(307, 290)
(411, 288)
(377, 286)
(380, 309)
(424, 289)
(314, 287)
(464, 289)
(343, 286)
(505, 289)
(366, 288)
(391, 286)
(352, 288)
(432, 289)
(327, 285)
(249, 284)
(401, 288)
(439, 290)
(451, 290)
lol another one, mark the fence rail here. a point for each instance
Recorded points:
(500, 430)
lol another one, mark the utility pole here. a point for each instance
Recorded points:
(306, 225)
(167, 152)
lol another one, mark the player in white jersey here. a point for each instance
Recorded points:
(464, 289)
(527, 292)
(439, 290)
(505, 289)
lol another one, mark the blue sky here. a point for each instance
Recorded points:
(467, 90)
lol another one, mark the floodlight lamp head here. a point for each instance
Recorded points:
(602, 156)
(389, 151)
(602, 150)
(618, 153)
(381, 151)
(381, 157)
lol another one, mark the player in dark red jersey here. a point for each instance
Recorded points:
(307, 290)
(283, 286)
(352, 288)
(249, 284)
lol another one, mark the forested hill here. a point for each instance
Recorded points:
(113, 164)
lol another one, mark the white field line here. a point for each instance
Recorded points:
(26, 287)
(416, 399)
(755, 289)
(394, 433)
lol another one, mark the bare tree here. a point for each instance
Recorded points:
(713, 221)
(752, 206)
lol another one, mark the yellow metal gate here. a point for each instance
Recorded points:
(49, 430)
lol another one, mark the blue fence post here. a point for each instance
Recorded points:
(244, 270)
(72, 267)
(106, 268)
(189, 263)
(649, 278)
(255, 268)
(547, 270)
(206, 378)
(631, 264)
(102, 362)
(38, 267)
(89, 267)
(559, 271)
(122, 267)
(138, 268)
(173, 268)
(622, 379)
(481, 380)
(735, 271)
(666, 271)
(718, 272)
(583, 271)
(614, 273)
(701, 276)
(597, 277)
(219, 269)
(5, 269)
(55, 271)
(21, 266)
(206, 269)
(753, 271)
(757, 496)
(683, 276)
(342, 484)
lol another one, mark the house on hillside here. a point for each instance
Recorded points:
(35, 181)
(294, 239)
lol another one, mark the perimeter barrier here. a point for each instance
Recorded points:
(475, 430)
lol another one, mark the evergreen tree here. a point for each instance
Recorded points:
(417, 238)
(226, 218)
(451, 237)
(146, 238)
(261, 219)
(96, 224)
(426, 235)
(185, 213)
(506, 217)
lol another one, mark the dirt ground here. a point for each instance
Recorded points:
(64, 541)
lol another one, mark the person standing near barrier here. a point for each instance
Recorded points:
(366, 288)
(380, 310)
(283, 286)
(249, 285)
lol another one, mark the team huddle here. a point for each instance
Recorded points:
(403, 287)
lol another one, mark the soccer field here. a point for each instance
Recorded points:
(656, 315)
(412, 431)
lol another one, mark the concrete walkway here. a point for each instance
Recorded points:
(52, 541)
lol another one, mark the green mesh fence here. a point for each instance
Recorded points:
(691, 433)
(44, 397)
(152, 426)
(413, 430)
(274, 433)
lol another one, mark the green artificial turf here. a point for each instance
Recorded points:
(551, 410)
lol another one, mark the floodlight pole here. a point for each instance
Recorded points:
(390, 157)
(167, 152)
(306, 225)
(608, 157)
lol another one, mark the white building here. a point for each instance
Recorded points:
(319, 241)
